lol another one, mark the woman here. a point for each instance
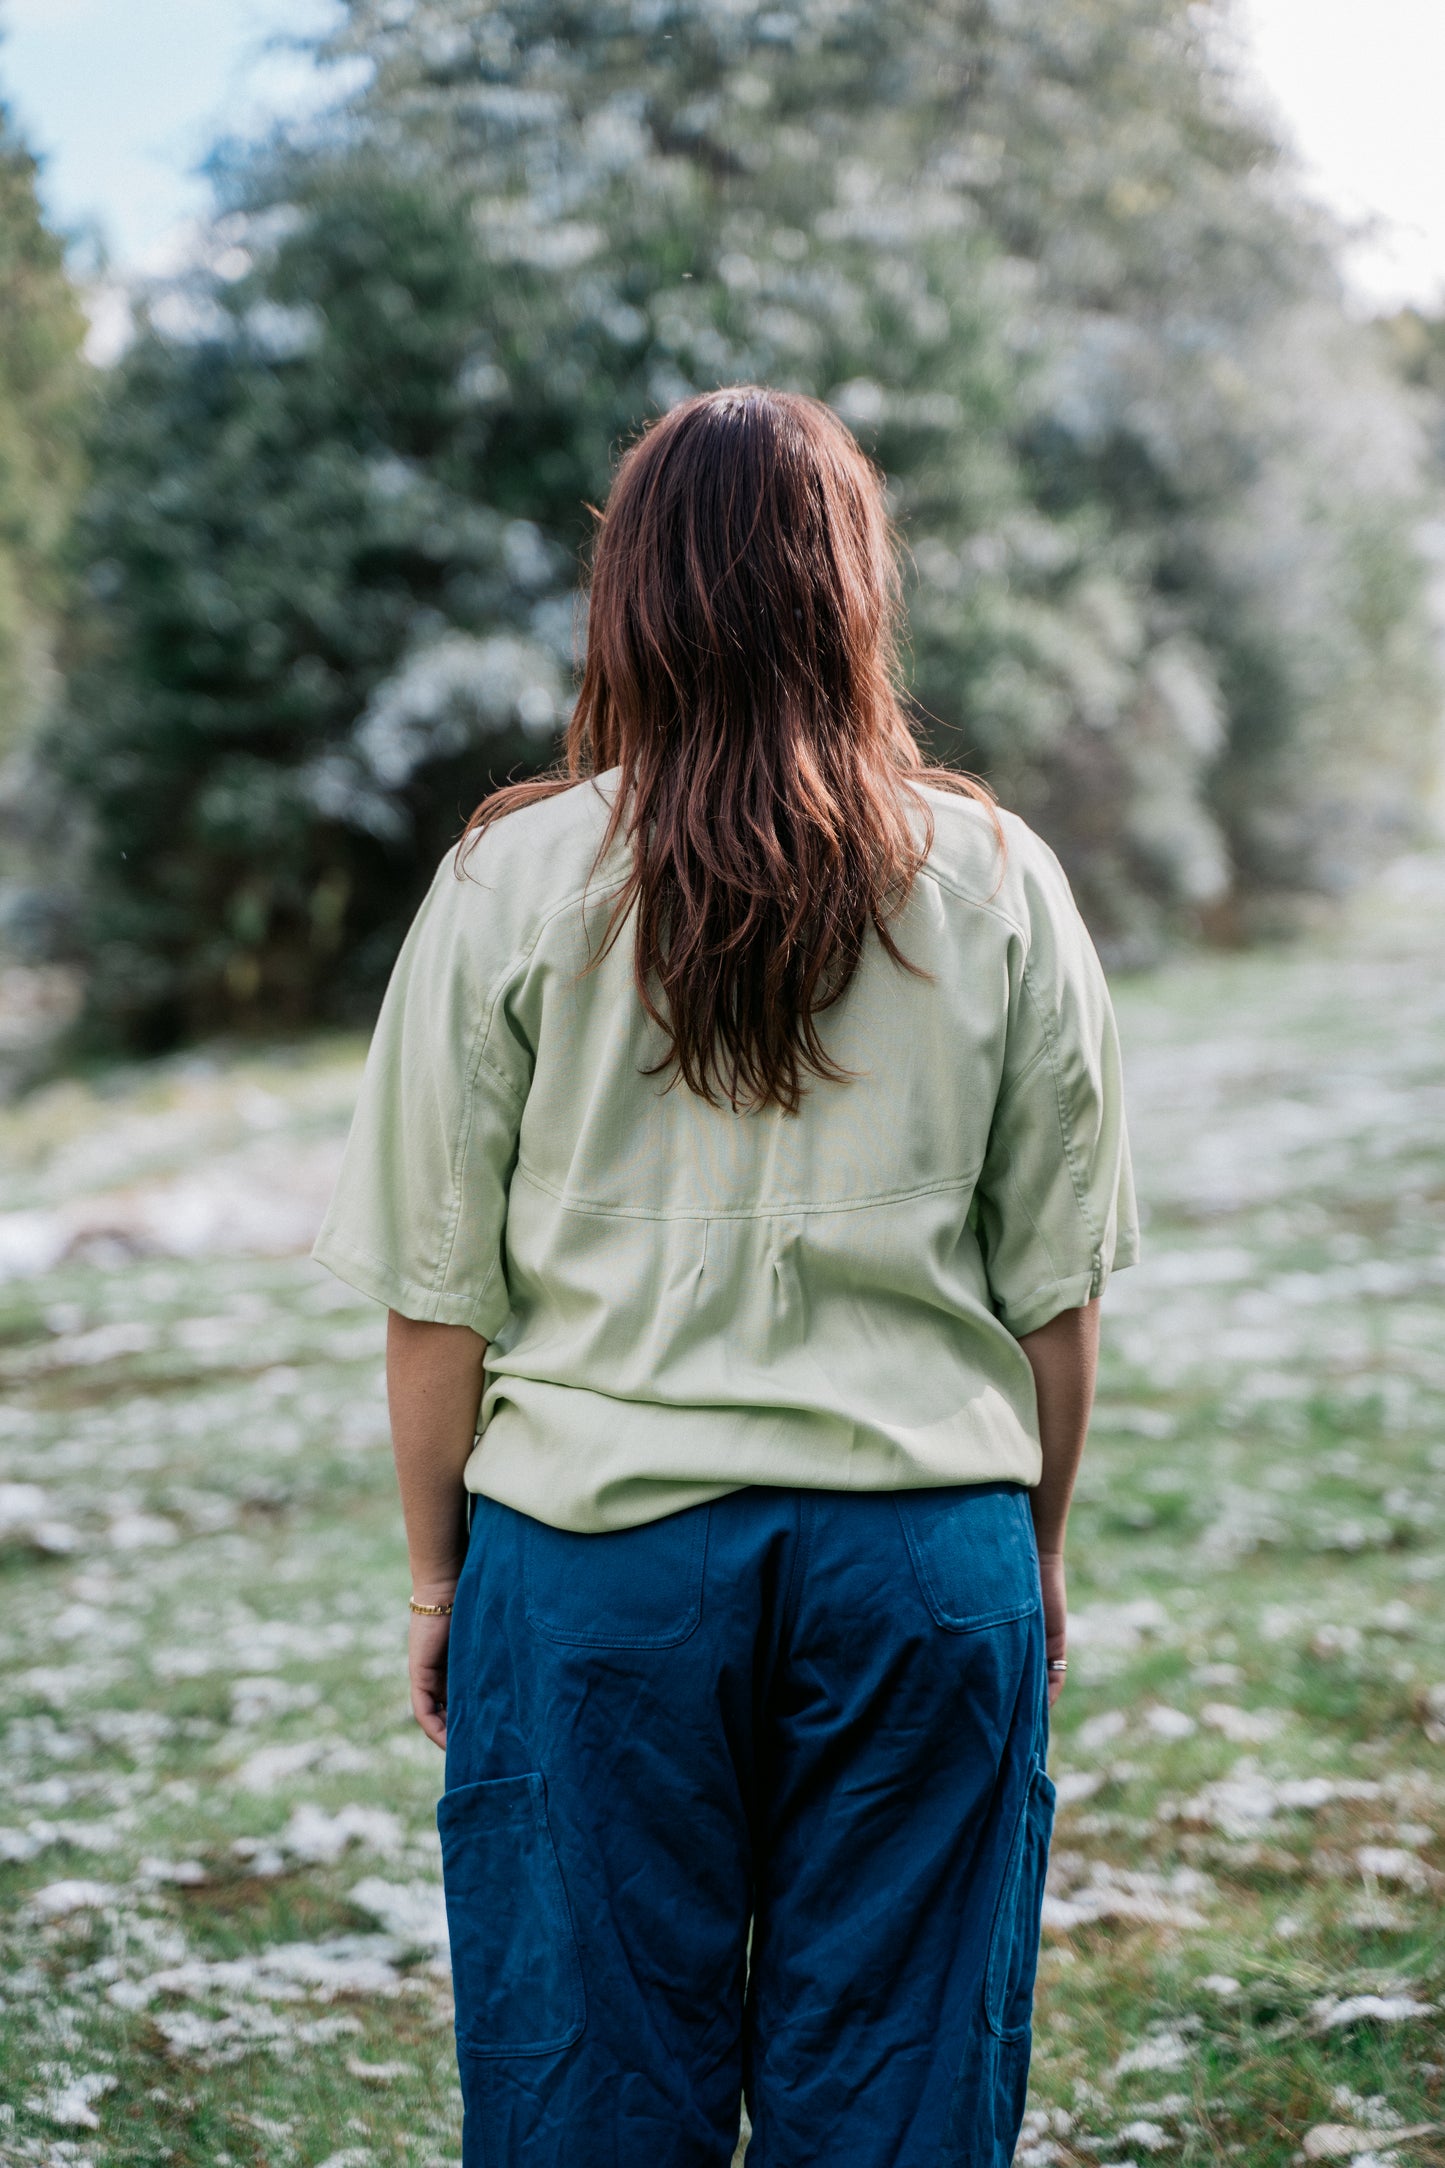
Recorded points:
(742, 1140)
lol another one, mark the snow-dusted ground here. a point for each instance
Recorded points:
(191, 1158)
(221, 1938)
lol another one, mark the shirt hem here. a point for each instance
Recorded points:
(1047, 1303)
(372, 1276)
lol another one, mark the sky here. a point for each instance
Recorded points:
(1358, 87)
(123, 97)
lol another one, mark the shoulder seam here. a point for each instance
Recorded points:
(977, 903)
(528, 948)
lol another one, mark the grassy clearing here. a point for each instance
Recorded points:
(221, 1941)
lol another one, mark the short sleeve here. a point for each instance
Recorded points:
(418, 1217)
(1055, 1197)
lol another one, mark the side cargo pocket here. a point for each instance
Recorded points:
(515, 1966)
(1013, 1953)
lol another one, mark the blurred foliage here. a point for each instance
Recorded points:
(1415, 342)
(42, 385)
(1158, 491)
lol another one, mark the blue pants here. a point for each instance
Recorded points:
(816, 1713)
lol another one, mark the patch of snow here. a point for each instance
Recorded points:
(1121, 1626)
(1073, 1785)
(1153, 2137)
(176, 1873)
(414, 1912)
(59, 1899)
(1357, 2143)
(1330, 2013)
(271, 1766)
(258, 1697)
(69, 2103)
(1162, 2050)
(27, 1516)
(1168, 1723)
(1118, 1893)
(1239, 1804)
(320, 1838)
(1392, 1863)
(31, 1243)
(142, 1532)
(1378, 1916)
(1244, 1727)
(378, 2073)
(1101, 1730)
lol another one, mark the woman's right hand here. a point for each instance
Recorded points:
(426, 1663)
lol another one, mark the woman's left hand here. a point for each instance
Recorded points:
(1056, 1617)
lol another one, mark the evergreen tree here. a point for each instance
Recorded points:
(41, 388)
(283, 540)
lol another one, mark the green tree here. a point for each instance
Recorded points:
(1153, 482)
(1162, 517)
(1207, 387)
(283, 515)
(41, 390)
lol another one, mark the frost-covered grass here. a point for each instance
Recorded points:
(221, 1938)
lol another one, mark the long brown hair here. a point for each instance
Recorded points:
(741, 674)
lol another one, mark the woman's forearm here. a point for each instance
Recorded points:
(1063, 1356)
(434, 1389)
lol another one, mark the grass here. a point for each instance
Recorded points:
(218, 1925)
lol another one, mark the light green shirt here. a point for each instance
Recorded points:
(681, 1300)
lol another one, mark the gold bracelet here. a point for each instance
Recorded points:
(430, 1610)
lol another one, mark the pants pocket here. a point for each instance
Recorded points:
(515, 1967)
(632, 1588)
(973, 1553)
(1013, 1952)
